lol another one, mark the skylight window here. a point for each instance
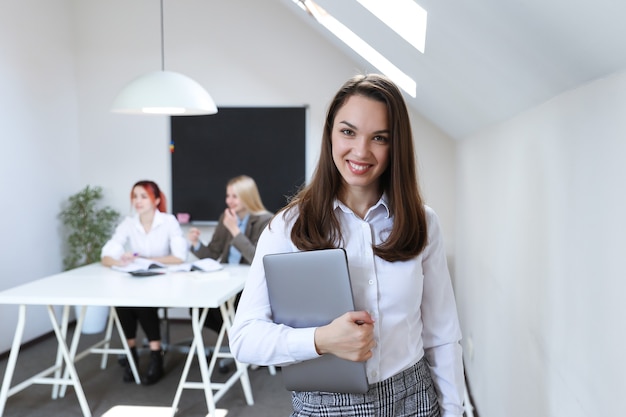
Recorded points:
(405, 17)
(358, 45)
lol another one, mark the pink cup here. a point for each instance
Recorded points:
(182, 218)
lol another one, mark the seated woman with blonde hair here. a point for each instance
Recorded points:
(237, 231)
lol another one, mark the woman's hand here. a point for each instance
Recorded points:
(230, 221)
(350, 336)
(124, 260)
(127, 258)
(193, 236)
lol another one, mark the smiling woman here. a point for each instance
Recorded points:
(364, 198)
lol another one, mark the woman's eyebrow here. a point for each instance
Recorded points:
(351, 126)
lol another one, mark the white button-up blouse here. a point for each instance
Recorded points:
(165, 238)
(412, 303)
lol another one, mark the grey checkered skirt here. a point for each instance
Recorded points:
(410, 393)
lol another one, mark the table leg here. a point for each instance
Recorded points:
(76, 339)
(228, 314)
(197, 348)
(69, 363)
(183, 378)
(15, 348)
(182, 384)
(107, 336)
(73, 347)
(129, 355)
(204, 368)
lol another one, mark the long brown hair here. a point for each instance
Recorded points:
(153, 192)
(317, 226)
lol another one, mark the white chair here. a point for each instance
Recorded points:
(139, 411)
(149, 411)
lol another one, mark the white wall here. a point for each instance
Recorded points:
(61, 136)
(243, 52)
(39, 154)
(541, 246)
(436, 155)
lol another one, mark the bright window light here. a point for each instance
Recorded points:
(405, 17)
(359, 46)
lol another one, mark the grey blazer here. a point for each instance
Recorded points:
(244, 242)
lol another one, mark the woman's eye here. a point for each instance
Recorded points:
(380, 139)
(347, 132)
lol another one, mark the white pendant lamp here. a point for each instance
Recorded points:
(164, 92)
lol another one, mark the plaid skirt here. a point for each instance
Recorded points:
(410, 393)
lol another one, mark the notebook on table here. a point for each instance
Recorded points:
(311, 289)
(142, 267)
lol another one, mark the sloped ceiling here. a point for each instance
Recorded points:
(488, 60)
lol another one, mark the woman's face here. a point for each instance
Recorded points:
(360, 142)
(141, 201)
(234, 203)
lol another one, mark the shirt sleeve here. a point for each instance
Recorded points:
(178, 243)
(254, 337)
(114, 247)
(217, 245)
(246, 242)
(441, 333)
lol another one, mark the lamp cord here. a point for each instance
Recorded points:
(162, 41)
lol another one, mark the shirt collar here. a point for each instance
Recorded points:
(243, 222)
(159, 218)
(382, 204)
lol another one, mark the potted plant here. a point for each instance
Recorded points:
(88, 227)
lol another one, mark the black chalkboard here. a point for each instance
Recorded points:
(265, 143)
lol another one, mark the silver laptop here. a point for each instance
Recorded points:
(310, 289)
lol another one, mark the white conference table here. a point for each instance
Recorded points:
(96, 285)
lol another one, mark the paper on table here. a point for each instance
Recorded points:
(203, 265)
(139, 264)
(206, 265)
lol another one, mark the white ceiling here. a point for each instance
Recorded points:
(488, 60)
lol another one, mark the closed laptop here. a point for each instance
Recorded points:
(311, 289)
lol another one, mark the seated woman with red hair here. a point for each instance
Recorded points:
(152, 234)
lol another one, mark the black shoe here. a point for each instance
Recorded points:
(155, 368)
(128, 372)
(122, 360)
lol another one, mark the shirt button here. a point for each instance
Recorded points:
(371, 281)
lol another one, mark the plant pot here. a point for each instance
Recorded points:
(95, 318)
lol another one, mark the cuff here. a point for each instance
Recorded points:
(301, 344)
